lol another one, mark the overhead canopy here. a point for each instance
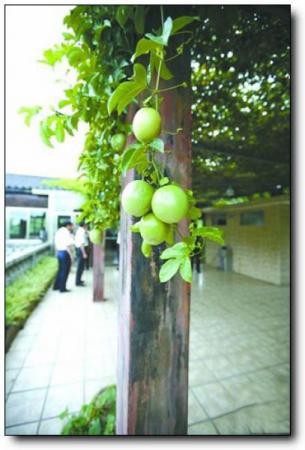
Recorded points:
(241, 101)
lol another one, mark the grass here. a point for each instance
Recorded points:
(27, 290)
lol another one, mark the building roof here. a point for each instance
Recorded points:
(16, 182)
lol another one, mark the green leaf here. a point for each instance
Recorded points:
(190, 241)
(139, 18)
(166, 32)
(95, 428)
(138, 161)
(68, 125)
(157, 144)
(170, 238)
(45, 134)
(75, 55)
(167, 29)
(176, 251)
(64, 414)
(133, 157)
(52, 55)
(128, 155)
(182, 22)
(122, 15)
(194, 213)
(210, 233)
(164, 181)
(127, 91)
(146, 249)
(145, 46)
(165, 73)
(63, 103)
(186, 269)
(29, 113)
(59, 131)
(156, 39)
(169, 269)
(68, 36)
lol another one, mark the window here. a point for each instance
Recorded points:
(219, 219)
(17, 225)
(252, 218)
(62, 219)
(37, 223)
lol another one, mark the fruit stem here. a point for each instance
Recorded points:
(160, 63)
(170, 88)
(157, 171)
(173, 133)
(156, 90)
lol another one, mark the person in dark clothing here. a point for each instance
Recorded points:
(196, 259)
(80, 243)
(63, 246)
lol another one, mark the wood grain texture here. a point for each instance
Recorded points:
(153, 342)
(98, 272)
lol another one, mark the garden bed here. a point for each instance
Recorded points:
(24, 293)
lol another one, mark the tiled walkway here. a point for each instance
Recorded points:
(239, 357)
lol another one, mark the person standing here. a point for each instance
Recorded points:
(80, 244)
(118, 241)
(87, 249)
(63, 246)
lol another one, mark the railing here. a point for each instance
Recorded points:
(20, 260)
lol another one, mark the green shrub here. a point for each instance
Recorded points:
(28, 289)
(95, 418)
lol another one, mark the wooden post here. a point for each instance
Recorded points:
(152, 377)
(98, 272)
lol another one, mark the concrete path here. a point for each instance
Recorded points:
(239, 357)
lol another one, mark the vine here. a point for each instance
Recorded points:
(99, 46)
(159, 201)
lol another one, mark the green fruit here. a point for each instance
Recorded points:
(146, 125)
(118, 142)
(146, 249)
(96, 236)
(152, 230)
(170, 204)
(136, 198)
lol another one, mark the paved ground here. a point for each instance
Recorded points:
(239, 357)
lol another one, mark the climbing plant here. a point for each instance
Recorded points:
(102, 46)
(158, 200)
(241, 100)
(97, 47)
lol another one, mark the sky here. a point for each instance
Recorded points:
(29, 31)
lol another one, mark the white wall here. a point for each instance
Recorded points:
(258, 251)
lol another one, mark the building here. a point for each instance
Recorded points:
(32, 206)
(257, 239)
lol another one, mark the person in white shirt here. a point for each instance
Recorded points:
(63, 245)
(80, 244)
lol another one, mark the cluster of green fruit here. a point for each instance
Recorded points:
(158, 202)
(160, 209)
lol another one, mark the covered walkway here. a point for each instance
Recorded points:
(239, 356)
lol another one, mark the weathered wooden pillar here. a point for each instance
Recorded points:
(152, 377)
(98, 271)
